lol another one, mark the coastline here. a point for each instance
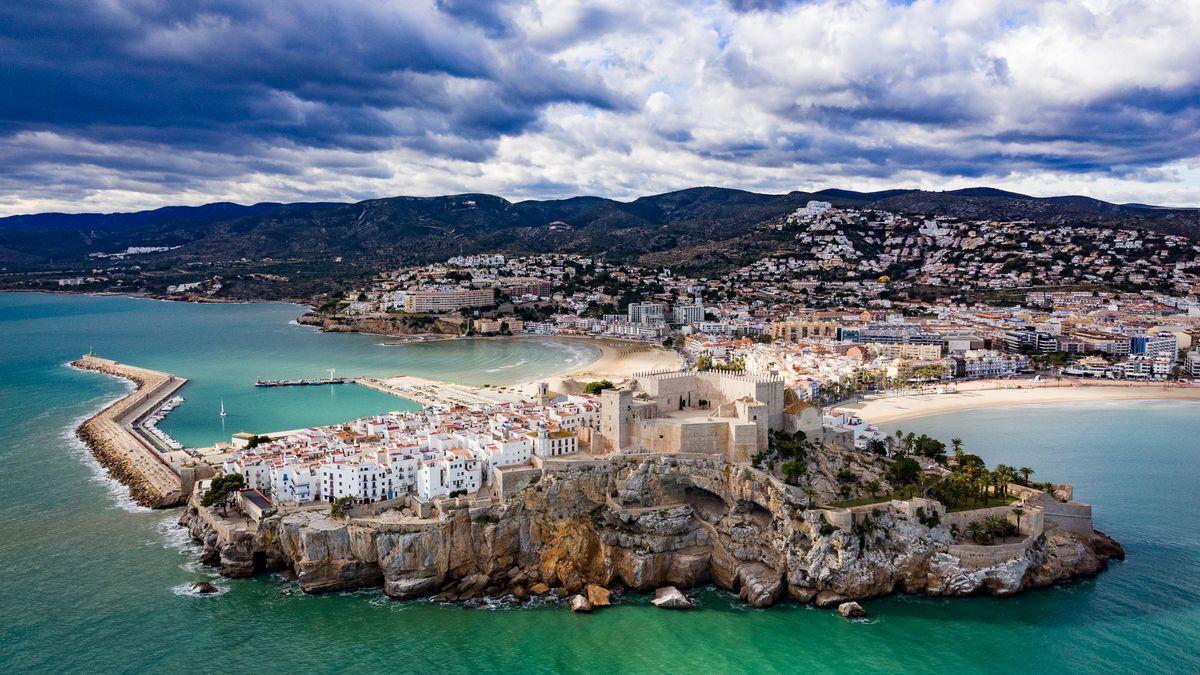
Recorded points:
(1019, 392)
(152, 479)
(618, 360)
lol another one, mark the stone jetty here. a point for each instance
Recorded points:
(132, 457)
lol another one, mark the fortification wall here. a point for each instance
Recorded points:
(1072, 517)
(975, 557)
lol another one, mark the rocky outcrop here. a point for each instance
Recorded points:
(851, 610)
(643, 522)
(670, 597)
(399, 325)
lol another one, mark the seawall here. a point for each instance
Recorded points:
(128, 455)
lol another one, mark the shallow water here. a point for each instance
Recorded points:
(91, 582)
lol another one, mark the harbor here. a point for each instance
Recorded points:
(121, 440)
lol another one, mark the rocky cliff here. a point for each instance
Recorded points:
(641, 522)
(399, 325)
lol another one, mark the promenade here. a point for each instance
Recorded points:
(134, 457)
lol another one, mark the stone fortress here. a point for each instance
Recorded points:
(710, 412)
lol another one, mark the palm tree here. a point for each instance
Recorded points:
(956, 443)
(810, 494)
(1005, 474)
(973, 530)
(1018, 512)
(1025, 472)
(873, 487)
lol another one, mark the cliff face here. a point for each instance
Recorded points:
(641, 521)
(383, 324)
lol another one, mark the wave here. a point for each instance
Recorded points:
(187, 590)
(116, 491)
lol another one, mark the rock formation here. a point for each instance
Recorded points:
(642, 521)
(851, 610)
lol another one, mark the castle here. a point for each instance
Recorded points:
(713, 412)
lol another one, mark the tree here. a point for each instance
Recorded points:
(873, 487)
(594, 388)
(704, 363)
(341, 506)
(904, 470)
(876, 446)
(810, 494)
(1025, 472)
(221, 488)
(792, 470)
(1018, 512)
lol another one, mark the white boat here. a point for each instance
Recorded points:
(222, 407)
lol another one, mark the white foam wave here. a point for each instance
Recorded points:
(173, 536)
(116, 491)
(187, 590)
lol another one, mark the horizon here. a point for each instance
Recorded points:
(627, 200)
(234, 101)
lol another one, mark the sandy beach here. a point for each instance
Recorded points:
(619, 360)
(990, 394)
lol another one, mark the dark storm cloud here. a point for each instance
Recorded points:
(320, 74)
(147, 99)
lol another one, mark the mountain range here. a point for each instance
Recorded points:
(697, 227)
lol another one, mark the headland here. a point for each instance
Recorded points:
(671, 481)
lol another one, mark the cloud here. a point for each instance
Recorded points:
(131, 103)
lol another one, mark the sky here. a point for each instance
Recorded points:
(117, 105)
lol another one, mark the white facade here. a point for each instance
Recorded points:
(688, 314)
(647, 312)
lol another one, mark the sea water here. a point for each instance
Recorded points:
(91, 582)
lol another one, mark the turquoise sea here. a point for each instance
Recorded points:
(89, 582)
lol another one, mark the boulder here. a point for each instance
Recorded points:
(761, 586)
(599, 596)
(471, 585)
(539, 589)
(520, 594)
(204, 588)
(580, 604)
(669, 597)
(828, 599)
(851, 610)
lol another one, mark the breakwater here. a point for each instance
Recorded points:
(128, 453)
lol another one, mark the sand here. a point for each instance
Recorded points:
(619, 360)
(990, 394)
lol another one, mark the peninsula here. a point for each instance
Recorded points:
(666, 481)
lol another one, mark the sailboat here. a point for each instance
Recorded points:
(222, 407)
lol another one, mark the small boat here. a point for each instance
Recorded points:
(222, 407)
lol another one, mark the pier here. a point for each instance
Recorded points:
(302, 383)
(134, 456)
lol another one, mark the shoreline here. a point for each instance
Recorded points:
(153, 480)
(617, 361)
(898, 408)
